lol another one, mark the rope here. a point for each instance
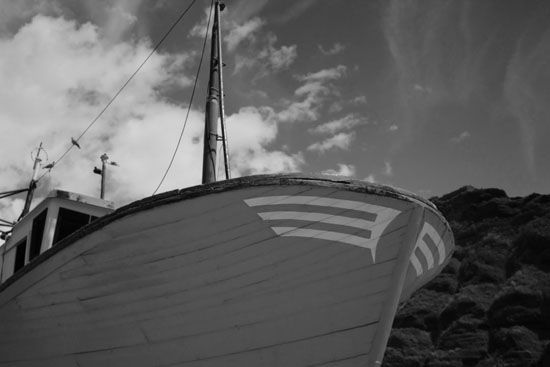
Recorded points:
(10, 193)
(98, 116)
(190, 101)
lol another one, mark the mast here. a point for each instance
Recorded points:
(222, 105)
(32, 184)
(214, 104)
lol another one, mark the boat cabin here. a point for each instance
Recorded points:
(57, 216)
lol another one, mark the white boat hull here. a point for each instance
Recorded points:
(273, 272)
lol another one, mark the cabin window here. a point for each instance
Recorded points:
(37, 233)
(69, 221)
(20, 250)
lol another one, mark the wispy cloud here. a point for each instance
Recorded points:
(317, 86)
(266, 59)
(345, 123)
(335, 49)
(340, 141)
(393, 128)
(240, 32)
(359, 100)
(460, 137)
(370, 178)
(526, 97)
(388, 169)
(347, 170)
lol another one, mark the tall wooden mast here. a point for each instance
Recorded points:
(214, 101)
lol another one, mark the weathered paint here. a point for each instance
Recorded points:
(207, 281)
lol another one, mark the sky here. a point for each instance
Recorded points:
(424, 95)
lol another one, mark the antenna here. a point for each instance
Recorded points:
(32, 184)
(103, 172)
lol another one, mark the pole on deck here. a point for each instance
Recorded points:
(104, 158)
(32, 184)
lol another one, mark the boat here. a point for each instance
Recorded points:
(267, 270)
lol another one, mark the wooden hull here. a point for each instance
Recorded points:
(268, 271)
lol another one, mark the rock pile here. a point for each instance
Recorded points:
(491, 305)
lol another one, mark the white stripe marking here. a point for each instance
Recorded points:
(315, 200)
(327, 235)
(427, 253)
(436, 238)
(416, 264)
(428, 229)
(318, 217)
(384, 216)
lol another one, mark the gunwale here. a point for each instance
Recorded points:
(178, 195)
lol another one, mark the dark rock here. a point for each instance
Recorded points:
(467, 338)
(486, 262)
(490, 306)
(532, 246)
(495, 207)
(516, 346)
(544, 360)
(397, 358)
(524, 301)
(473, 300)
(452, 267)
(443, 358)
(444, 283)
(517, 306)
(407, 347)
(410, 339)
(422, 311)
(463, 204)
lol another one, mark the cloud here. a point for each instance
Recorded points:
(340, 141)
(267, 59)
(114, 18)
(316, 88)
(57, 77)
(241, 32)
(282, 58)
(324, 75)
(58, 74)
(461, 137)
(359, 100)
(345, 123)
(335, 49)
(388, 169)
(526, 96)
(370, 178)
(347, 170)
(249, 131)
(15, 13)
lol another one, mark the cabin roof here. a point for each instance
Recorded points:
(61, 194)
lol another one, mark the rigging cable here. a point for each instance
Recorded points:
(158, 44)
(190, 101)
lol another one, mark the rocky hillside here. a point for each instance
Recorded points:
(491, 304)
